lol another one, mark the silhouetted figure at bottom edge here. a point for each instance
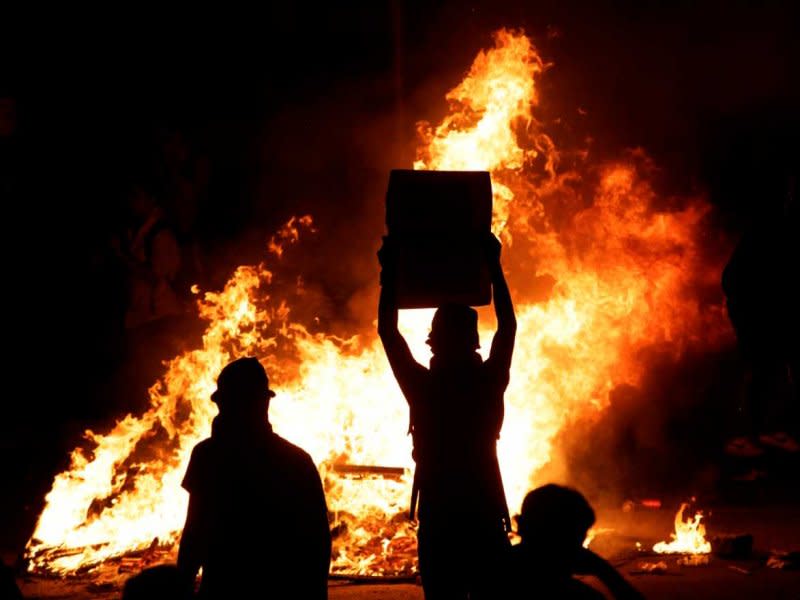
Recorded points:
(257, 518)
(553, 525)
(162, 582)
(8, 585)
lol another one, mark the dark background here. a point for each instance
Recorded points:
(305, 108)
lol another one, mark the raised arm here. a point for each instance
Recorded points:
(503, 342)
(402, 362)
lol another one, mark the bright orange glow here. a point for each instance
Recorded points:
(593, 533)
(689, 536)
(602, 270)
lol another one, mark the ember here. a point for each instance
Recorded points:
(600, 272)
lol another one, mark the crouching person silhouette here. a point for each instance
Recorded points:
(553, 525)
(257, 518)
(456, 409)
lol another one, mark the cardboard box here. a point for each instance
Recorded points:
(438, 221)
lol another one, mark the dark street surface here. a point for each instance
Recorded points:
(774, 528)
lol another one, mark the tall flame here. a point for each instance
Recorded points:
(601, 269)
(689, 536)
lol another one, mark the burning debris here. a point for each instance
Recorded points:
(780, 559)
(601, 268)
(693, 560)
(367, 471)
(650, 568)
(689, 538)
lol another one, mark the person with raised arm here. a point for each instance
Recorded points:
(456, 413)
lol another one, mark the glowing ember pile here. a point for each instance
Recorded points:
(601, 270)
(689, 536)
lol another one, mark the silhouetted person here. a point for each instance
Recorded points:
(163, 582)
(553, 526)
(257, 517)
(456, 410)
(184, 186)
(154, 261)
(760, 283)
(8, 585)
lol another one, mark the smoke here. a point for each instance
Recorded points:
(660, 439)
(653, 437)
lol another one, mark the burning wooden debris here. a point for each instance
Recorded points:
(789, 561)
(368, 471)
(689, 536)
(650, 568)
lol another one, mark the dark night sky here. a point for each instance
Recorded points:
(687, 81)
(302, 103)
(674, 77)
(306, 108)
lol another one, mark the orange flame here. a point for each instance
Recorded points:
(689, 536)
(600, 273)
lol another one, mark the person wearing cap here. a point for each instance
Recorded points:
(456, 413)
(257, 515)
(552, 526)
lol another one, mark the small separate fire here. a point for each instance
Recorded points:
(689, 536)
(593, 533)
(604, 271)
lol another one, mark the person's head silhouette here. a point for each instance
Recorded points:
(454, 331)
(555, 519)
(243, 390)
(162, 581)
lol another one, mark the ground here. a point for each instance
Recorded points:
(774, 528)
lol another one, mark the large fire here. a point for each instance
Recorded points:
(601, 269)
